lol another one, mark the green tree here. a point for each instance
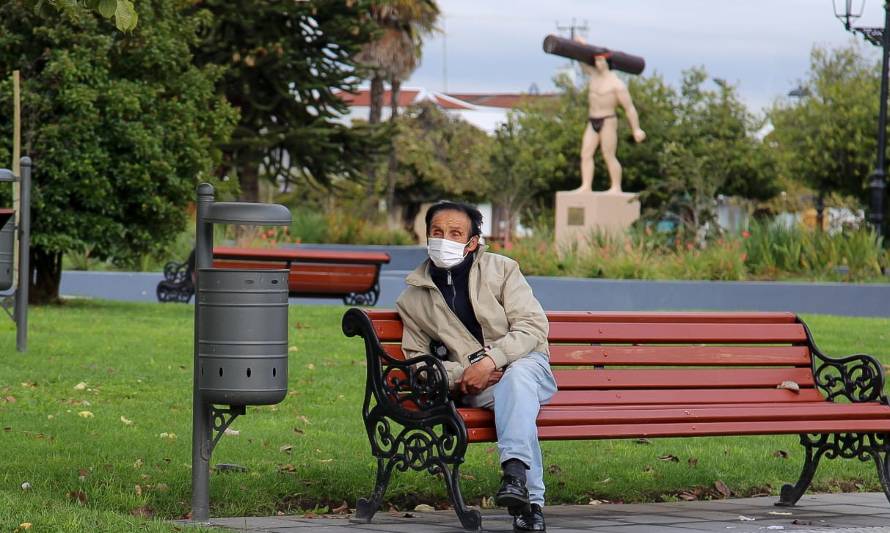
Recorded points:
(122, 11)
(121, 127)
(826, 139)
(437, 156)
(286, 63)
(711, 149)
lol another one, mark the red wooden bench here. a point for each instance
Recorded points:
(352, 276)
(634, 375)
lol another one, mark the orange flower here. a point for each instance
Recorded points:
(746, 234)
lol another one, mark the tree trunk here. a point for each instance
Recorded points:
(248, 178)
(395, 218)
(46, 275)
(376, 99)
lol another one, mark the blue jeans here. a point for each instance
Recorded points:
(527, 384)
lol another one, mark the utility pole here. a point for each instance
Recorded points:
(573, 28)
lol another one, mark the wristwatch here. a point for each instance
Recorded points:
(475, 357)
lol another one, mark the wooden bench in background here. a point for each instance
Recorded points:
(352, 276)
(634, 375)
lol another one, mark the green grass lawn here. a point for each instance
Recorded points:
(82, 416)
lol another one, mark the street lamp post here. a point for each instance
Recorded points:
(878, 37)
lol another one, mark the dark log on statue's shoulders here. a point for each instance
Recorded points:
(560, 46)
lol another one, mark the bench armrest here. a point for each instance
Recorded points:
(856, 378)
(406, 388)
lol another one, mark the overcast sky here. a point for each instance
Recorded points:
(762, 46)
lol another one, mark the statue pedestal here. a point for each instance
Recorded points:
(578, 214)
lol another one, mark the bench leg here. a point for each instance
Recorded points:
(789, 494)
(470, 519)
(366, 508)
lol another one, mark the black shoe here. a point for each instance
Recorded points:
(530, 520)
(512, 493)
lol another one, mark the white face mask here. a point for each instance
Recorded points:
(444, 253)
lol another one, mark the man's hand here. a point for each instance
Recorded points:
(639, 135)
(477, 376)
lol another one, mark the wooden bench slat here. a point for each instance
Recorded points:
(676, 333)
(692, 429)
(301, 254)
(621, 332)
(685, 396)
(562, 416)
(318, 278)
(583, 355)
(647, 317)
(681, 378)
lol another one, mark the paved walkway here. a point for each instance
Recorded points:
(847, 513)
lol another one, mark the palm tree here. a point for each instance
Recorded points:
(392, 57)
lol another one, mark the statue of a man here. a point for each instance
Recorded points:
(605, 93)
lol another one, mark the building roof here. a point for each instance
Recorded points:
(456, 101)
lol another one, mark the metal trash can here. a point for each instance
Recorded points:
(7, 246)
(243, 326)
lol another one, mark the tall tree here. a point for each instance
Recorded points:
(826, 138)
(395, 51)
(123, 12)
(286, 63)
(120, 127)
(437, 156)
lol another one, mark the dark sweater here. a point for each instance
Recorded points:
(456, 291)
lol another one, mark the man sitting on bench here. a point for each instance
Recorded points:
(476, 311)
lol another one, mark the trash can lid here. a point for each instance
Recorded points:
(249, 213)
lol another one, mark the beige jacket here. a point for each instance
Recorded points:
(513, 322)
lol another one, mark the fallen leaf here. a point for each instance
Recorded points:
(29, 385)
(468, 477)
(26, 486)
(143, 511)
(669, 457)
(554, 469)
(780, 513)
(287, 468)
(126, 421)
(744, 518)
(138, 463)
(789, 385)
(287, 448)
(25, 525)
(162, 487)
(424, 508)
(594, 502)
(170, 436)
(232, 432)
(487, 503)
(80, 386)
(310, 366)
(781, 454)
(692, 461)
(343, 509)
(304, 419)
(298, 431)
(688, 496)
(10, 399)
(78, 495)
(138, 490)
(85, 414)
(648, 470)
(642, 441)
(82, 474)
(293, 349)
(722, 488)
